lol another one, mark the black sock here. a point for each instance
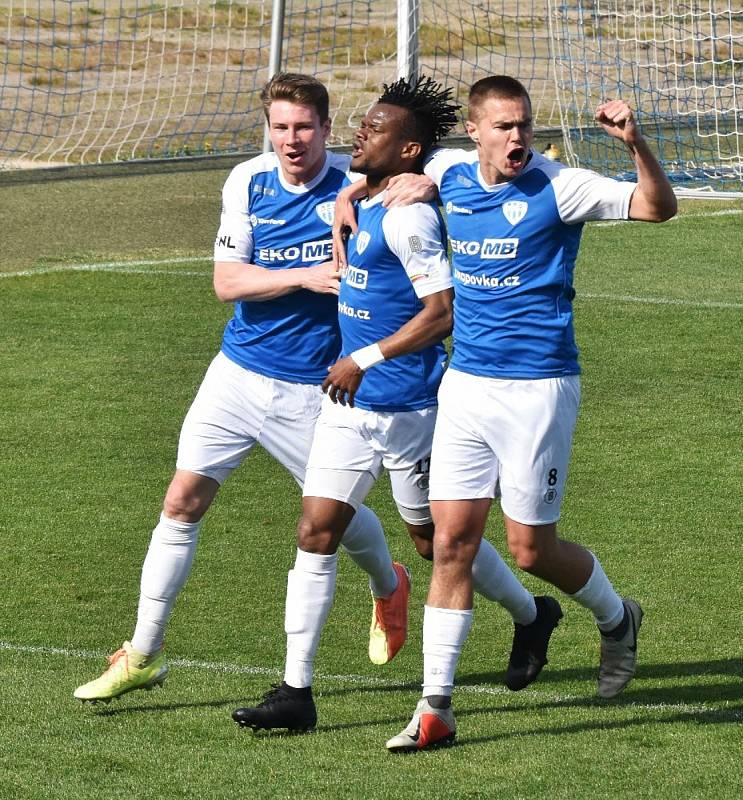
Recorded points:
(303, 693)
(618, 632)
(439, 701)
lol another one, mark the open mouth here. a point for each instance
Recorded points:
(516, 157)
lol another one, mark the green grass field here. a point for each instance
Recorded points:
(99, 363)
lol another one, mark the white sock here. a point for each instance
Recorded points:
(309, 596)
(365, 543)
(492, 579)
(164, 572)
(599, 596)
(444, 633)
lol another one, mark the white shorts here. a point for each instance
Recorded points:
(235, 408)
(511, 437)
(352, 446)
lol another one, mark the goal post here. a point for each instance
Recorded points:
(121, 80)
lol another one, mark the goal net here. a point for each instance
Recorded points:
(679, 63)
(113, 80)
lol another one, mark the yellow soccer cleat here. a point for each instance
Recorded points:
(389, 626)
(128, 670)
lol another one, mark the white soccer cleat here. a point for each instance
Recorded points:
(429, 727)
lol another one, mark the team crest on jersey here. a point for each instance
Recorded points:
(326, 212)
(362, 241)
(515, 210)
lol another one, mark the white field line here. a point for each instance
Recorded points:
(658, 301)
(120, 267)
(141, 268)
(725, 212)
(238, 669)
(136, 268)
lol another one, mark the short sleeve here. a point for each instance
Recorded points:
(583, 195)
(234, 240)
(413, 234)
(441, 159)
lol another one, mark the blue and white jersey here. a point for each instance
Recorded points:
(514, 247)
(397, 257)
(276, 225)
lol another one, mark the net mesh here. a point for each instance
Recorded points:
(88, 82)
(679, 64)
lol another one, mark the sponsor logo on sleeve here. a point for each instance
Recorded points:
(225, 241)
(416, 246)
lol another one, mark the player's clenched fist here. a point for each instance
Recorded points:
(618, 120)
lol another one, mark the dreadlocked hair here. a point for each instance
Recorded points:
(433, 112)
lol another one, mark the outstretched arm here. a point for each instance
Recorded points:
(653, 200)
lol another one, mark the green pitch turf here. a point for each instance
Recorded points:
(98, 366)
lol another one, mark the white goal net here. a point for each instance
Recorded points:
(115, 80)
(678, 62)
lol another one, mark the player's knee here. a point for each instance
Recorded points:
(420, 528)
(189, 496)
(184, 504)
(315, 538)
(527, 557)
(526, 560)
(533, 547)
(424, 548)
(453, 547)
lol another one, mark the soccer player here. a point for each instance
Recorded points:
(395, 307)
(509, 402)
(271, 259)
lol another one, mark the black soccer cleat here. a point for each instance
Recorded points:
(282, 707)
(529, 650)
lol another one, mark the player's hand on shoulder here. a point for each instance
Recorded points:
(618, 120)
(343, 381)
(409, 188)
(323, 278)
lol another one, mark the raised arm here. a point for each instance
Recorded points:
(653, 200)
